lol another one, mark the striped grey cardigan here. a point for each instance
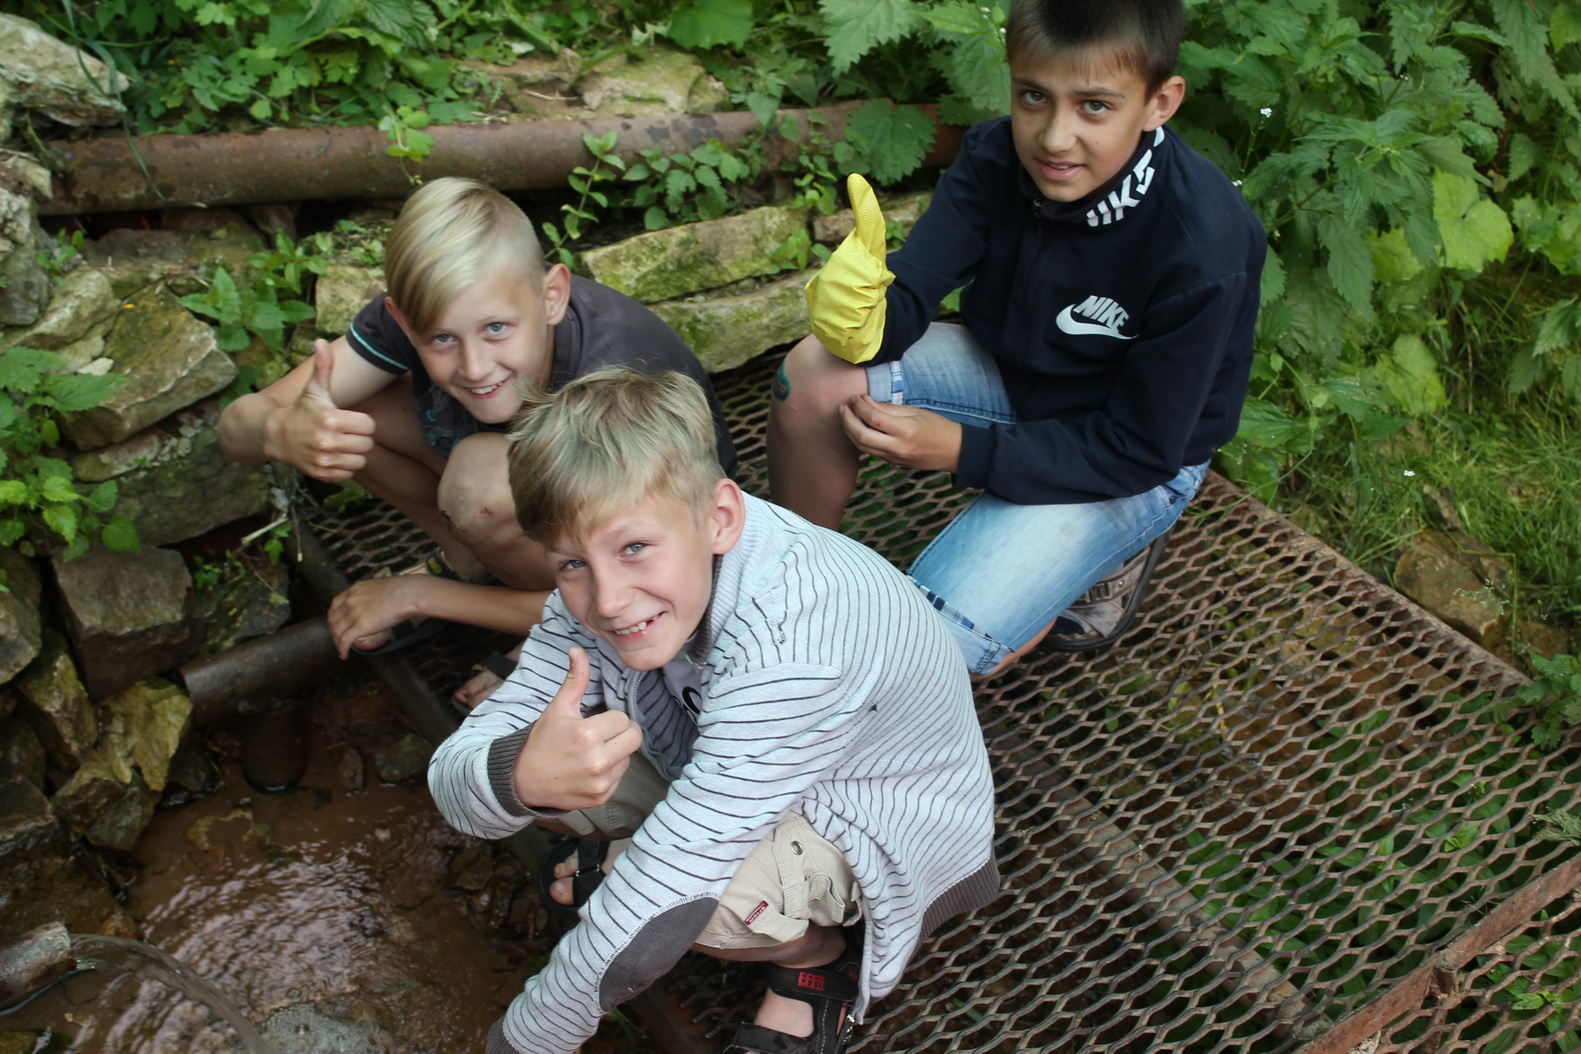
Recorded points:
(831, 688)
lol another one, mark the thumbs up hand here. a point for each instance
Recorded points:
(315, 436)
(570, 761)
(845, 299)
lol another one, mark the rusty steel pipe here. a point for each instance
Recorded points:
(32, 961)
(296, 164)
(255, 672)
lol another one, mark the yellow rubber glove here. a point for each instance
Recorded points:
(845, 299)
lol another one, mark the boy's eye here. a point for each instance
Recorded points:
(496, 328)
(572, 565)
(1033, 98)
(441, 338)
(635, 547)
(1094, 106)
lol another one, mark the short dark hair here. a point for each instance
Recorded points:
(1143, 35)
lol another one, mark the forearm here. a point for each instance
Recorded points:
(244, 428)
(496, 607)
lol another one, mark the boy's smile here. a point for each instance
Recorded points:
(642, 579)
(1077, 120)
(494, 332)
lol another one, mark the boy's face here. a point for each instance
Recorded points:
(641, 580)
(495, 331)
(1077, 120)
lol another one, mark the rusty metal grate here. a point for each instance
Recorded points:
(1280, 815)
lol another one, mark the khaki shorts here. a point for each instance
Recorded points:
(791, 879)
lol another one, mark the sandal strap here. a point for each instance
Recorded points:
(813, 985)
(831, 991)
(590, 856)
(755, 1039)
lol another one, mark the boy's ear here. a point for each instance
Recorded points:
(556, 293)
(1166, 100)
(727, 515)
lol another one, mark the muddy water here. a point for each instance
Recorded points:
(341, 916)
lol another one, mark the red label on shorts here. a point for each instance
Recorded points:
(760, 909)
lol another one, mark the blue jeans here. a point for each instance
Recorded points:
(1000, 572)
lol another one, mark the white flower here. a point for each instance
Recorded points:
(1267, 111)
(1236, 182)
(1408, 472)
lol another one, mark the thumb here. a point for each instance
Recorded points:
(318, 386)
(568, 700)
(869, 217)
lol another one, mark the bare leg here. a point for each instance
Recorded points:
(812, 465)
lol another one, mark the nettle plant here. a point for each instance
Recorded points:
(40, 505)
(1412, 161)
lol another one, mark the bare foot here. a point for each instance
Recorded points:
(560, 888)
(482, 684)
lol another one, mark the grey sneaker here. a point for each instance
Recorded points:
(1098, 617)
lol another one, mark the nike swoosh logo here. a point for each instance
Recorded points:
(1068, 324)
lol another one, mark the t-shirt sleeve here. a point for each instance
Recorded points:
(605, 327)
(379, 339)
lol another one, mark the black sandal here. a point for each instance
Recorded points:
(829, 990)
(590, 854)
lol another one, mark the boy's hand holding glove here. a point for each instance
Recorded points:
(845, 299)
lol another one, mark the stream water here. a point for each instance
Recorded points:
(342, 917)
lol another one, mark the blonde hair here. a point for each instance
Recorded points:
(451, 233)
(608, 439)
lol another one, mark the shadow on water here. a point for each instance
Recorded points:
(61, 981)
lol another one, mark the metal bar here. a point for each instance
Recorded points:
(236, 682)
(295, 164)
(32, 961)
(1437, 973)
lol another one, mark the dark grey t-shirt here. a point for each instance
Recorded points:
(601, 327)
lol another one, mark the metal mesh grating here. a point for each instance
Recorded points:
(1279, 815)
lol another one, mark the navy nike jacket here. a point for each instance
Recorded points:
(1122, 324)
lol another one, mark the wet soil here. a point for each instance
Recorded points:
(343, 915)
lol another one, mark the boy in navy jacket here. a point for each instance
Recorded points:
(1111, 279)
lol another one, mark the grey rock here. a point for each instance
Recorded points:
(57, 705)
(471, 868)
(58, 80)
(342, 291)
(146, 723)
(128, 615)
(22, 172)
(648, 82)
(726, 330)
(170, 359)
(21, 627)
(663, 265)
(249, 601)
(174, 481)
(1461, 580)
(903, 209)
(24, 286)
(80, 304)
(46, 879)
(405, 758)
(107, 811)
(136, 259)
(22, 755)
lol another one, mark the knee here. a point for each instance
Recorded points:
(812, 382)
(475, 493)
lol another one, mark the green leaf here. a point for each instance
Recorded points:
(977, 70)
(893, 139)
(102, 498)
(120, 534)
(1565, 27)
(1273, 282)
(21, 369)
(857, 26)
(710, 23)
(62, 519)
(1410, 373)
(1392, 258)
(1474, 230)
(77, 392)
(1528, 46)
(763, 107)
(406, 20)
(13, 492)
(1350, 265)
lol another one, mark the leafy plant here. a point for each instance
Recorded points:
(266, 307)
(1555, 695)
(39, 501)
(686, 187)
(62, 255)
(585, 181)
